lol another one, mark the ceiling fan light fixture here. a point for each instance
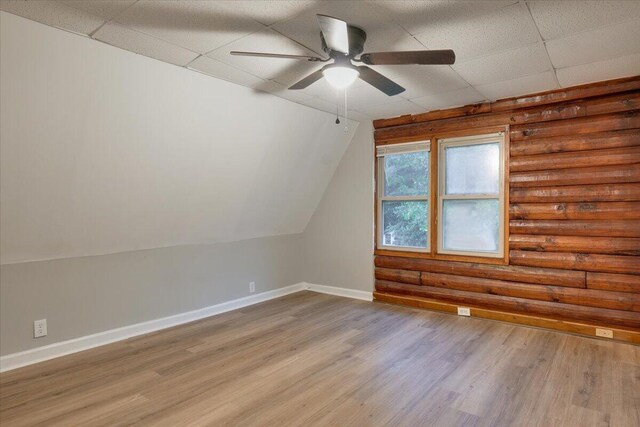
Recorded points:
(340, 77)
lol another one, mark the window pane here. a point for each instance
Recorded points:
(471, 225)
(473, 169)
(406, 174)
(404, 224)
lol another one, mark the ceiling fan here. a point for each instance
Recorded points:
(343, 42)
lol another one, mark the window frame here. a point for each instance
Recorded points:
(403, 148)
(434, 210)
(469, 141)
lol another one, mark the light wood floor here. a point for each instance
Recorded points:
(310, 359)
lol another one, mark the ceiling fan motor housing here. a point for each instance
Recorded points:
(357, 37)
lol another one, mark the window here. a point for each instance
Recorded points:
(403, 202)
(471, 196)
(467, 215)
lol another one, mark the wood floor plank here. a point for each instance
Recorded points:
(319, 360)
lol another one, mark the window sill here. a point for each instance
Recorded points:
(442, 257)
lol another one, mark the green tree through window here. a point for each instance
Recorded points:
(405, 222)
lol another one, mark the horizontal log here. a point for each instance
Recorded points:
(467, 110)
(579, 125)
(513, 304)
(605, 103)
(583, 193)
(586, 297)
(544, 276)
(615, 174)
(573, 261)
(586, 142)
(568, 94)
(590, 245)
(395, 275)
(419, 130)
(613, 103)
(586, 328)
(598, 210)
(597, 106)
(614, 282)
(545, 113)
(575, 159)
(610, 228)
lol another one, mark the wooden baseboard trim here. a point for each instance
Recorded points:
(585, 329)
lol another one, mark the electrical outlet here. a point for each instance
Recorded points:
(604, 333)
(40, 328)
(252, 287)
(464, 311)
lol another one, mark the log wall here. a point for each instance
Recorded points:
(574, 208)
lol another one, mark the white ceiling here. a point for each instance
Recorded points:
(504, 48)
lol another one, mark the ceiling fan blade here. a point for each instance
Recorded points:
(335, 33)
(379, 81)
(421, 57)
(307, 81)
(276, 55)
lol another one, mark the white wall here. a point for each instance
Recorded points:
(105, 151)
(124, 181)
(339, 238)
(85, 295)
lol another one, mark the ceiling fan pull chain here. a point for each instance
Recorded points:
(337, 108)
(346, 123)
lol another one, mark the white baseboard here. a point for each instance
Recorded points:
(63, 348)
(341, 292)
(40, 354)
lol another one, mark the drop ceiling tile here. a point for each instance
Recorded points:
(55, 14)
(402, 41)
(198, 26)
(125, 38)
(358, 116)
(450, 99)
(625, 66)
(597, 45)
(392, 109)
(281, 91)
(491, 32)
(418, 16)
(560, 18)
(520, 86)
(267, 12)
(505, 65)
(422, 80)
(106, 9)
(267, 40)
(320, 104)
(382, 33)
(226, 72)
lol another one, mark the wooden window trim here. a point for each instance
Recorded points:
(380, 165)
(435, 213)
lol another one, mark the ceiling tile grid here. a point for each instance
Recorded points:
(504, 48)
(532, 83)
(456, 98)
(499, 30)
(55, 14)
(600, 44)
(126, 38)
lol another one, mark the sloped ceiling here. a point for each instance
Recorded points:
(105, 151)
(504, 47)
